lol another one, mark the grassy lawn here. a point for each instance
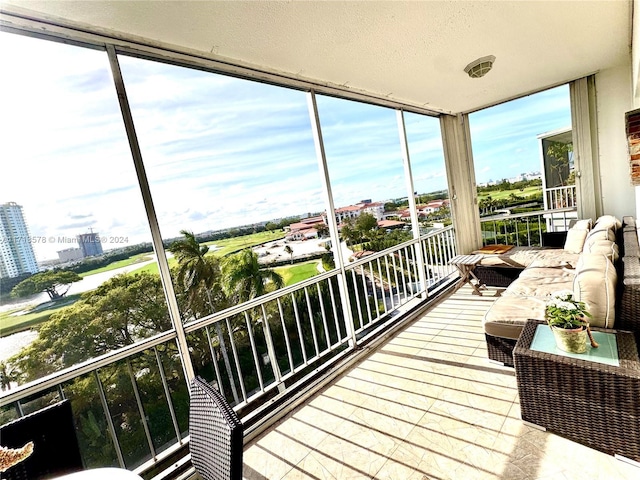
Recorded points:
(226, 247)
(298, 272)
(153, 267)
(15, 323)
(232, 245)
(504, 194)
(141, 257)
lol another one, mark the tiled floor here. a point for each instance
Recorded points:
(427, 405)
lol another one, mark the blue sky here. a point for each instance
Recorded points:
(219, 151)
(505, 137)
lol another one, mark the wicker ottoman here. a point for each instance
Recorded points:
(590, 403)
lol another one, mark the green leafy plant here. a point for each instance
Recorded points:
(563, 311)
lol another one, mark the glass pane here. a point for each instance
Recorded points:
(125, 414)
(428, 170)
(178, 388)
(154, 400)
(72, 204)
(523, 159)
(231, 162)
(94, 438)
(366, 170)
(506, 142)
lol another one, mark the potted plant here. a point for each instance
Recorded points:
(566, 317)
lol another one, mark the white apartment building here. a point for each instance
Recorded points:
(16, 251)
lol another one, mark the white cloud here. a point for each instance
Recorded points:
(218, 151)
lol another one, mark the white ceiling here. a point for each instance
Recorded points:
(413, 52)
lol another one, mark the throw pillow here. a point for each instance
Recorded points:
(608, 221)
(585, 224)
(575, 240)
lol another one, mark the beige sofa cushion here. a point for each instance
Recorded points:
(508, 315)
(553, 257)
(540, 282)
(608, 221)
(575, 240)
(603, 234)
(602, 247)
(595, 285)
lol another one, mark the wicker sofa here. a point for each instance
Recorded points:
(615, 301)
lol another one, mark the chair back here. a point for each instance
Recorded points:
(216, 434)
(55, 449)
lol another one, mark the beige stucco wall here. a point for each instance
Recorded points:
(614, 98)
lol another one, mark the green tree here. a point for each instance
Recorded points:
(245, 278)
(289, 250)
(349, 232)
(50, 281)
(366, 224)
(559, 154)
(7, 376)
(121, 311)
(198, 270)
(271, 226)
(322, 229)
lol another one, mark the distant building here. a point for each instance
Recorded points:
(90, 244)
(70, 254)
(16, 250)
(305, 229)
(354, 211)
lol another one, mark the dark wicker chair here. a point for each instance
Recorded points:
(216, 434)
(55, 450)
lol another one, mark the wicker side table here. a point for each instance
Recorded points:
(591, 403)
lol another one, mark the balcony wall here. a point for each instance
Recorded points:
(613, 90)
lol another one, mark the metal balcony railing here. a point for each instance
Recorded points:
(131, 405)
(561, 197)
(524, 229)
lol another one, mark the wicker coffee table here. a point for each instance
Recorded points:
(591, 403)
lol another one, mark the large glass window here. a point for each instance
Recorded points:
(506, 147)
(74, 244)
(516, 172)
(237, 192)
(232, 168)
(428, 169)
(70, 205)
(364, 159)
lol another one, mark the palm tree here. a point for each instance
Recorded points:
(289, 250)
(197, 269)
(245, 278)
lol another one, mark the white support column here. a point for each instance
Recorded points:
(585, 147)
(461, 178)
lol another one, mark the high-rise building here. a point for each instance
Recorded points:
(16, 251)
(90, 244)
